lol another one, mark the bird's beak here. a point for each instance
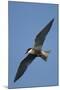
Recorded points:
(26, 52)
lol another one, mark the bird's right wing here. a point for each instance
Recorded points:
(40, 38)
(23, 66)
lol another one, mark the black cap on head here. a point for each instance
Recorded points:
(27, 50)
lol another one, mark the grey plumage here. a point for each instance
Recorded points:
(39, 40)
(23, 66)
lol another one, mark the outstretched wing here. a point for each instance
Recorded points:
(23, 66)
(39, 40)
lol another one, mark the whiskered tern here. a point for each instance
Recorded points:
(34, 52)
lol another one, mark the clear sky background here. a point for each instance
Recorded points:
(25, 21)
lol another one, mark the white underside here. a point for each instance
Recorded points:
(44, 53)
(31, 51)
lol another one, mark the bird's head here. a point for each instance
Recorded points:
(28, 50)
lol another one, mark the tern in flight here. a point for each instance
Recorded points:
(34, 52)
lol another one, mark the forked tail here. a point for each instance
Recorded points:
(44, 55)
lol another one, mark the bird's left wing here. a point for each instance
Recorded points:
(39, 40)
(23, 66)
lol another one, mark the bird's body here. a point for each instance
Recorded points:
(34, 52)
(38, 53)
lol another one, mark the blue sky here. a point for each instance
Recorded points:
(25, 21)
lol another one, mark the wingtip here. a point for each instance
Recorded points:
(52, 19)
(15, 80)
(51, 22)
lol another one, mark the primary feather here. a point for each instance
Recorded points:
(23, 66)
(40, 38)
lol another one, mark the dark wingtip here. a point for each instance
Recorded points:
(15, 80)
(52, 20)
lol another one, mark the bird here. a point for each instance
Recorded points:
(35, 51)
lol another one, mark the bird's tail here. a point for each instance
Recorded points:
(44, 55)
